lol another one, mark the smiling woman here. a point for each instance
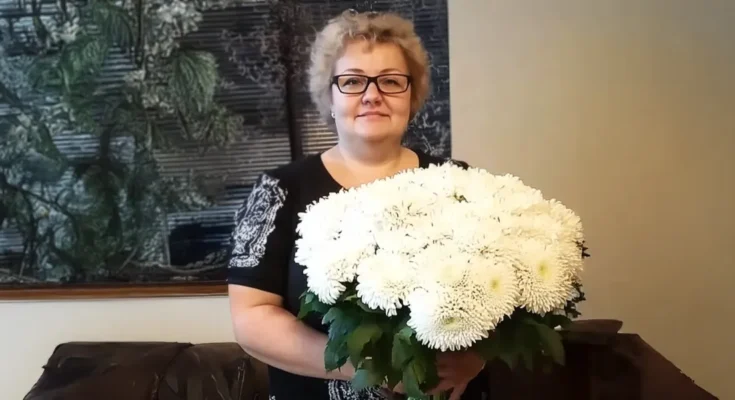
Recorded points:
(368, 78)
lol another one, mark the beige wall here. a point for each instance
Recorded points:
(624, 110)
(626, 113)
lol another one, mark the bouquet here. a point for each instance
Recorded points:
(439, 259)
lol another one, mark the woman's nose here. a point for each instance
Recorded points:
(372, 94)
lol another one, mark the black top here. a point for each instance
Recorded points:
(263, 252)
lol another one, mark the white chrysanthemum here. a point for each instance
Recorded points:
(400, 241)
(495, 283)
(442, 264)
(556, 229)
(403, 206)
(467, 227)
(555, 220)
(445, 318)
(568, 218)
(322, 220)
(334, 239)
(330, 268)
(544, 275)
(447, 181)
(481, 244)
(355, 223)
(506, 193)
(340, 254)
(457, 300)
(326, 288)
(384, 281)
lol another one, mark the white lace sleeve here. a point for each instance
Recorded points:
(256, 221)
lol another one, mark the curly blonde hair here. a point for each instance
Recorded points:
(376, 28)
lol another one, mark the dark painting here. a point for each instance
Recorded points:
(131, 131)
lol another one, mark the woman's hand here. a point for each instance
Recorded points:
(456, 370)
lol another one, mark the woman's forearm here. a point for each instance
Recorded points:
(277, 338)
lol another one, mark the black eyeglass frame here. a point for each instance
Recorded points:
(373, 79)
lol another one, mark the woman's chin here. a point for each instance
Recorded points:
(377, 135)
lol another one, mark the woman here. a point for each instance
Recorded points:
(369, 77)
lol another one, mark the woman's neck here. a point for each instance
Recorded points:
(371, 155)
(353, 166)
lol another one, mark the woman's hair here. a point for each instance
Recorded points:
(376, 28)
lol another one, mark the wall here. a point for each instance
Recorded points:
(623, 112)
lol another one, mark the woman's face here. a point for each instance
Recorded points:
(372, 115)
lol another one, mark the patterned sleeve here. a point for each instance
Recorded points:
(262, 239)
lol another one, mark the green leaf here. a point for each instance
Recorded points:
(82, 59)
(380, 350)
(510, 359)
(319, 307)
(488, 348)
(367, 308)
(402, 351)
(393, 377)
(307, 299)
(115, 23)
(342, 321)
(431, 377)
(356, 341)
(551, 341)
(334, 314)
(193, 79)
(527, 341)
(526, 355)
(309, 303)
(514, 340)
(413, 376)
(335, 354)
(367, 376)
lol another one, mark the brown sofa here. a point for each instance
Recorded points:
(602, 364)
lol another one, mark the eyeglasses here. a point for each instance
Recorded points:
(358, 84)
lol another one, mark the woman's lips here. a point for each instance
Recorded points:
(372, 115)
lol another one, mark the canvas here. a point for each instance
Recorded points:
(132, 131)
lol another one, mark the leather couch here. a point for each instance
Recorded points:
(602, 364)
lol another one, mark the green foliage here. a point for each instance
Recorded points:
(85, 219)
(525, 337)
(385, 351)
(193, 79)
(115, 23)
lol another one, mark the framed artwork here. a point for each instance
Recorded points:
(133, 130)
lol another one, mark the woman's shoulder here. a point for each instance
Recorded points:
(276, 187)
(291, 174)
